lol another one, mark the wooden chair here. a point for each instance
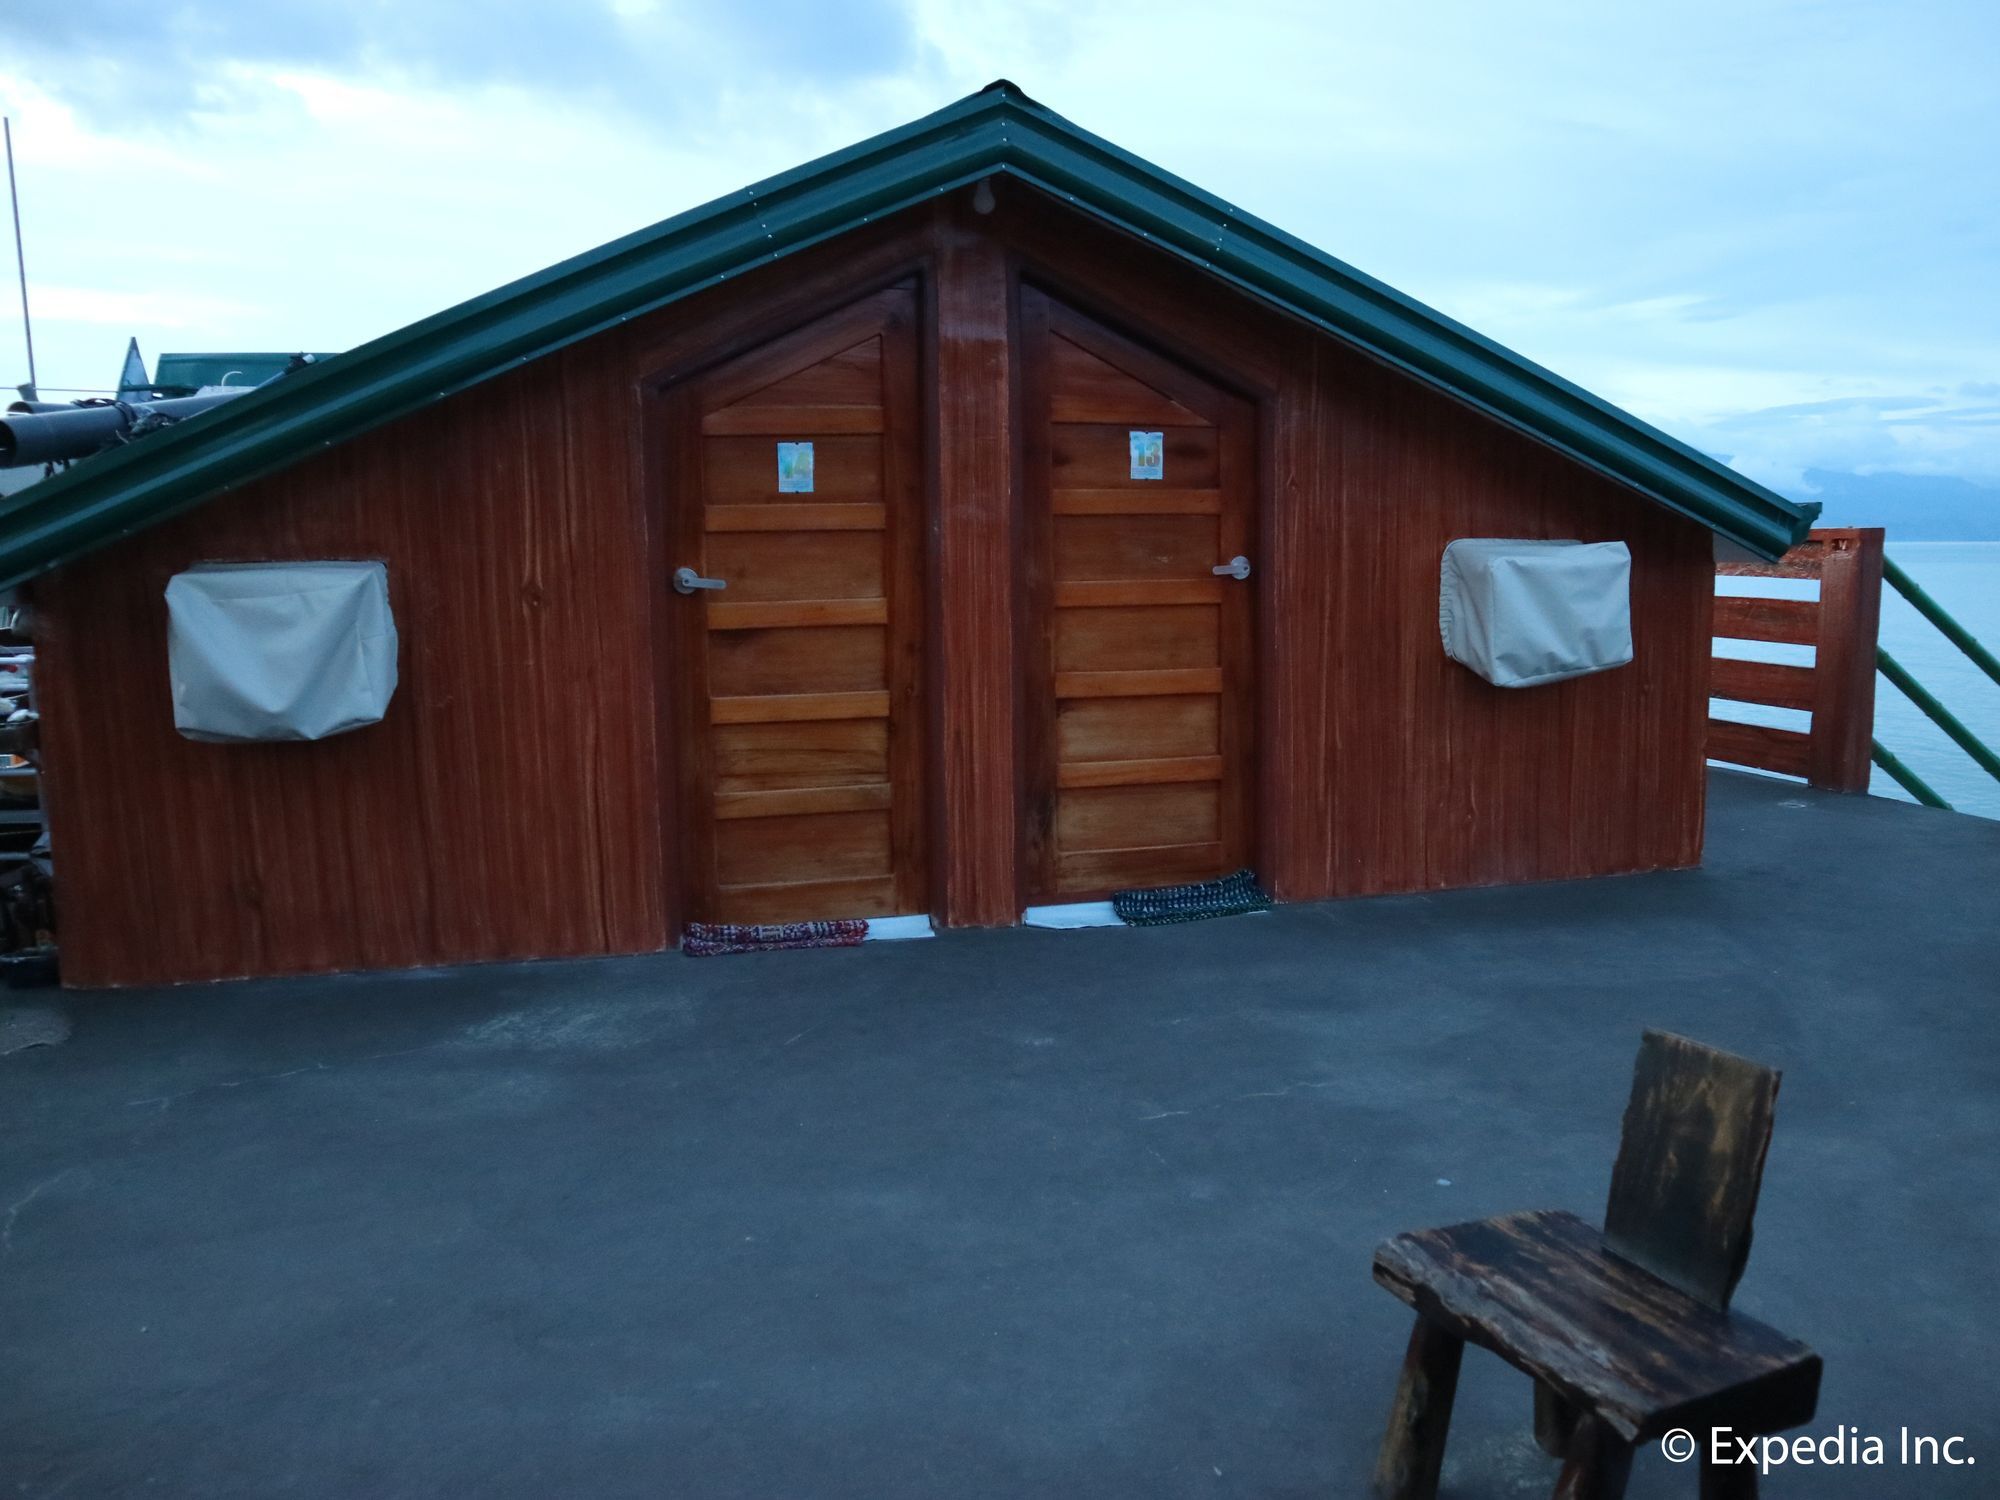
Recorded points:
(1627, 1332)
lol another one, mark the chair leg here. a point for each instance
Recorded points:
(1728, 1481)
(1598, 1465)
(1412, 1453)
(1555, 1419)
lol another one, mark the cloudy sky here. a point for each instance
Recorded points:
(1771, 227)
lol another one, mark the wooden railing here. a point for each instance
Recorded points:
(1838, 689)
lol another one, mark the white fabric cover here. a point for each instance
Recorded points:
(1521, 613)
(279, 651)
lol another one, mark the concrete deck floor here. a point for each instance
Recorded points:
(1007, 1213)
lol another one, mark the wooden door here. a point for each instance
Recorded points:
(1141, 480)
(801, 726)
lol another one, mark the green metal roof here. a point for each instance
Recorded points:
(998, 131)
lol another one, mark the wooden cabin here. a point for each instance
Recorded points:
(976, 651)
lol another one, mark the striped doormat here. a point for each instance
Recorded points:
(1228, 896)
(707, 939)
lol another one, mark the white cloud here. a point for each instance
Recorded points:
(1769, 229)
(116, 308)
(1901, 434)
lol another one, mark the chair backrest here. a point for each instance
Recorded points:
(1690, 1162)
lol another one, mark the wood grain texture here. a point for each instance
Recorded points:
(1802, 561)
(1108, 592)
(1091, 772)
(806, 615)
(768, 615)
(1555, 1421)
(513, 802)
(1844, 666)
(1838, 689)
(1384, 766)
(1794, 622)
(786, 755)
(1786, 751)
(842, 517)
(1543, 1292)
(1137, 683)
(1690, 1164)
(1772, 683)
(506, 807)
(1470, 783)
(1597, 1463)
(862, 896)
(1411, 1459)
(975, 572)
(791, 707)
(783, 421)
(1160, 501)
(521, 798)
(1123, 596)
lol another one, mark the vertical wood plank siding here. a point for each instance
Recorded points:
(976, 529)
(506, 806)
(1385, 766)
(515, 802)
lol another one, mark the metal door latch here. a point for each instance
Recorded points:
(1236, 567)
(687, 581)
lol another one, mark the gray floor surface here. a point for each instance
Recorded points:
(1004, 1213)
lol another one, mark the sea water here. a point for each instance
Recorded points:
(1964, 577)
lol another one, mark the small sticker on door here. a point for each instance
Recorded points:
(795, 468)
(1149, 455)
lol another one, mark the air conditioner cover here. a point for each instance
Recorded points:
(279, 651)
(1523, 613)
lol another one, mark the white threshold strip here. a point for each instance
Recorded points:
(1075, 914)
(1071, 915)
(899, 929)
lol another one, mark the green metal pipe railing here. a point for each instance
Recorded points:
(1938, 714)
(1933, 611)
(1915, 691)
(1904, 777)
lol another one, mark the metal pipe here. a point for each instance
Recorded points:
(1933, 611)
(1909, 780)
(41, 437)
(1938, 714)
(20, 257)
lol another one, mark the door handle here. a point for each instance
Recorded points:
(1237, 567)
(687, 581)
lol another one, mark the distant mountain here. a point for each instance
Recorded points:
(1914, 507)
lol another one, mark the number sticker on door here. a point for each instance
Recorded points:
(1149, 455)
(795, 468)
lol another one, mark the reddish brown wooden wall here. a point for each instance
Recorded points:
(512, 803)
(1386, 767)
(504, 805)
(1462, 783)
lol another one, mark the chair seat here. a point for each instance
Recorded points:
(1541, 1291)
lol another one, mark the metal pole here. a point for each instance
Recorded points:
(20, 259)
(1938, 714)
(1909, 780)
(1933, 611)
